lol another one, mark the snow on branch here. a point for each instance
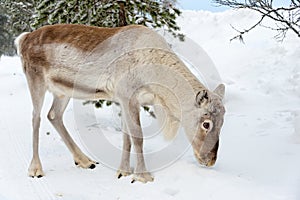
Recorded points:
(286, 18)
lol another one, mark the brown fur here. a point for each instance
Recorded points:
(85, 38)
(82, 37)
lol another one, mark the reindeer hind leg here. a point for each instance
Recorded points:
(37, 90)
(55, 116)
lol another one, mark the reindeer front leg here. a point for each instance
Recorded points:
(124, 169)
(140, 174)
(131, 115)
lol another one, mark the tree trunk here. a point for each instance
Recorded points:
(122, 14)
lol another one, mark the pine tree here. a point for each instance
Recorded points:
(6, 44)
(20, 14)
(15, 18)
(109, 13)
(4, 36)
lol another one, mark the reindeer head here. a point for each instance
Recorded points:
(209, 120)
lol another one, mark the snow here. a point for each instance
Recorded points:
(259, 154)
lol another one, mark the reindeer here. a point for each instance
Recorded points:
(133, 66)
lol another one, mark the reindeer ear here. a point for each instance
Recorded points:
(202, 97)
(220, 90)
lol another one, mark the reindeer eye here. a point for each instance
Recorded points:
(206, 125)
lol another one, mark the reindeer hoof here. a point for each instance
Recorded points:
(35, 169)
(36, 173)
(92, 166)
(124, 173)
(142, 177)
(85, 162)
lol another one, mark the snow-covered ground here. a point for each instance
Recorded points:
(259, 154)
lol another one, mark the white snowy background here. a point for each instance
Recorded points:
(259, 154)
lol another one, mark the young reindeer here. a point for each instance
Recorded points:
(131, 65)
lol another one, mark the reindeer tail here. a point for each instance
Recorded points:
(18, 42)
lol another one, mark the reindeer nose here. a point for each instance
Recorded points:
(211, 163)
